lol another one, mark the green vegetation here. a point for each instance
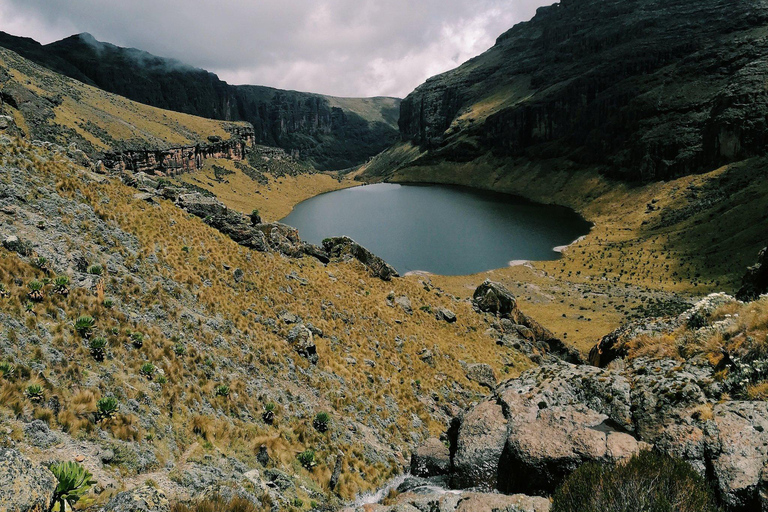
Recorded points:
(61, 285)
(96, 270)
(35, 291)
(321, 422)
(221, 390)
(269, 413)
(106, 408)
(307, 459)
(148, 370)
(649, 482)
(84, 325)
(98, 348)
(137, 339)
(35, 393)
(74, 481)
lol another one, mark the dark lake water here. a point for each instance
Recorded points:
(440, 229)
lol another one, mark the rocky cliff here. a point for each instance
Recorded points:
(331, 133)
(643, 89)
(172, 161)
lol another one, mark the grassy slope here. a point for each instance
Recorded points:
(187, 263)
(274, 200)
(690, 236)
(93, 117)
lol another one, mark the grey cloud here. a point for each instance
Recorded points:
(339, 47)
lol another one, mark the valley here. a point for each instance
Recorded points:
(163, 331)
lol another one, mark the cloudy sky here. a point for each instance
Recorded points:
(338, 47)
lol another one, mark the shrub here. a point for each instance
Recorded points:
(648, 482)
(108, 303)
(84, 325)
(179, 349)
(307, 459)
(61, 285)
(7, 370)
(162, 379)
(41, 264)
(148, 370)
(35, 393)
(221, 390)
(4, 292)
(269, 413)
(35, 291)
(106, 408)
(321, 421)
(137, 339)
(73, 482)
(96, 270)
(98, 348)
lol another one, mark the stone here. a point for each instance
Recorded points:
(38, 434)
(141, 499)
(482, 435)
(24, 486)
(433, 458)
(6, 122)
(483, 374)
(303, 342)
(405, 304)
(494, 298)
(755, 281)
(445, 315)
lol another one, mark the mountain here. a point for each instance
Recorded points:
(642, 89)
(649, 117)
(329, 132)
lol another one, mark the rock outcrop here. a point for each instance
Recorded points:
(345, 248)
(174, 161)
(24, 486)
(755, 281)
(141, 499)
(431, 459)
(515, 329)
(645, 90)
(537, 429)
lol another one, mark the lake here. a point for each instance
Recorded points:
(439, 229)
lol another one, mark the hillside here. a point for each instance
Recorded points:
(642, 89)
(327, 132)
(647, 117)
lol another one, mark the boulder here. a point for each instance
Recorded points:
(303, 341)
(445, 315)
(140, 499)
(755, 281)
(432, 458)
(404, 303)
(24, 486)
(480, 443)
(345, 247)
(482, 374)
(494, 298)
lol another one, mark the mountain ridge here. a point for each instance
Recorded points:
(331, 133)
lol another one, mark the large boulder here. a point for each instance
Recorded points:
(24, 486)
(494, 298)
(140, 499)
(433, 458)
(755, 281)
(344, 247)
(481, 438)
(303, 342)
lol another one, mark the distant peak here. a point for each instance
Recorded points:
(88, 38)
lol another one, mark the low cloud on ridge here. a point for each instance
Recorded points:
(337, 47)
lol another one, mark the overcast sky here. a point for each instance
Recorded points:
(337, 47)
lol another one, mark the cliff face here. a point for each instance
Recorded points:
(332, 133)
(644, 89)
(173, 161)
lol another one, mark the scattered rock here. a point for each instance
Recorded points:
(38, 434)
(405, 304)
